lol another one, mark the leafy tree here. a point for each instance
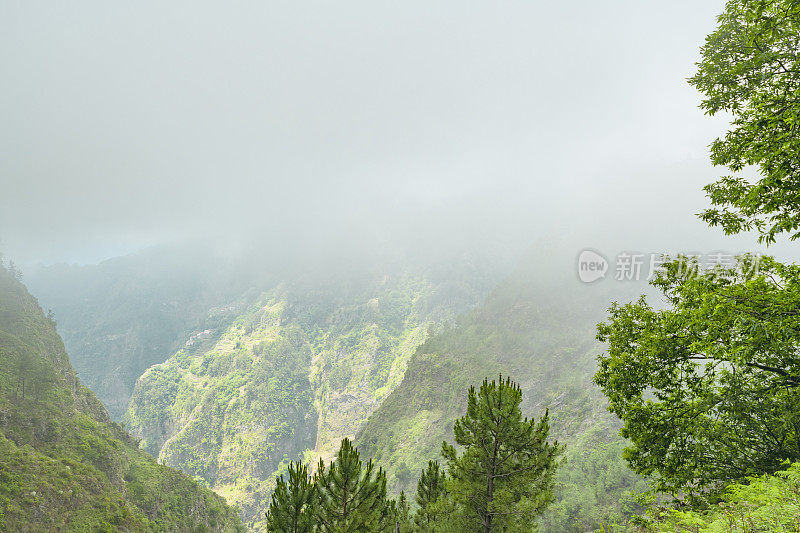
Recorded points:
(708, 387)
(750, 69)
(504, 477)
(351, 498)
(430, 488)
(293, 502)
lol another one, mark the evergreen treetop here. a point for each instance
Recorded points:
(504, 477)
(352, 497)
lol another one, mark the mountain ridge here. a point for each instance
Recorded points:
(66, 465)
(302, 367)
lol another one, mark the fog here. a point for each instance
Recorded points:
(130, 125)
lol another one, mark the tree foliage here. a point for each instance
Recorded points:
(293, 502)
(430, 488)
(764, 503)
(708, 387)
(351, 497)
(750, 69)
(401, 515)
(501, 481)
(504, 476)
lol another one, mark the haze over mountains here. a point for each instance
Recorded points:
(66, 465)
(239, 242)
(229, 381)
(271, 123)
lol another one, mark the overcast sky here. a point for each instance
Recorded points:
(128, 124)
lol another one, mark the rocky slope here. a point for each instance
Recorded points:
(302, 368)
(383, 351)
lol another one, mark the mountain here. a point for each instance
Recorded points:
(538, 327)
(302, 367)
(64, 465)
(276, 364)
(121, 316)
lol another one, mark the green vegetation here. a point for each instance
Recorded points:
(293, 505)
(235, 415)
(402, 515)
(708, 388)
(750, 69)
(126, 314)
(430, 488)
(64, 465)
(504, 477)
(595, 489)
(306, 364)
(764, 503)
(705, 387)
(501, 481)
(539, 329)
(351, 498)
(345, 496)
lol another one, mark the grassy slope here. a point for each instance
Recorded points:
(540, 331)
(303, 368)
(63, 464)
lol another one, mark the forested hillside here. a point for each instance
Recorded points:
(537, 326)
(383, 354)
(65, 465)
(121, 316)
(302, 368)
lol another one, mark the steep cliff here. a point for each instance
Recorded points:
(302, 368)
(64, 465)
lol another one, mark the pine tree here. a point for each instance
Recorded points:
(351, 498)
(504, 478)
(292, 507)
(398, 511)
(429, 489)
(402, 521)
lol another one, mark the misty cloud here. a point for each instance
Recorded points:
(127, 125)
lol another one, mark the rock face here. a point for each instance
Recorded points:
(63, 464)
(301, 369)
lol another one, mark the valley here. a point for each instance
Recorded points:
(383, 356)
